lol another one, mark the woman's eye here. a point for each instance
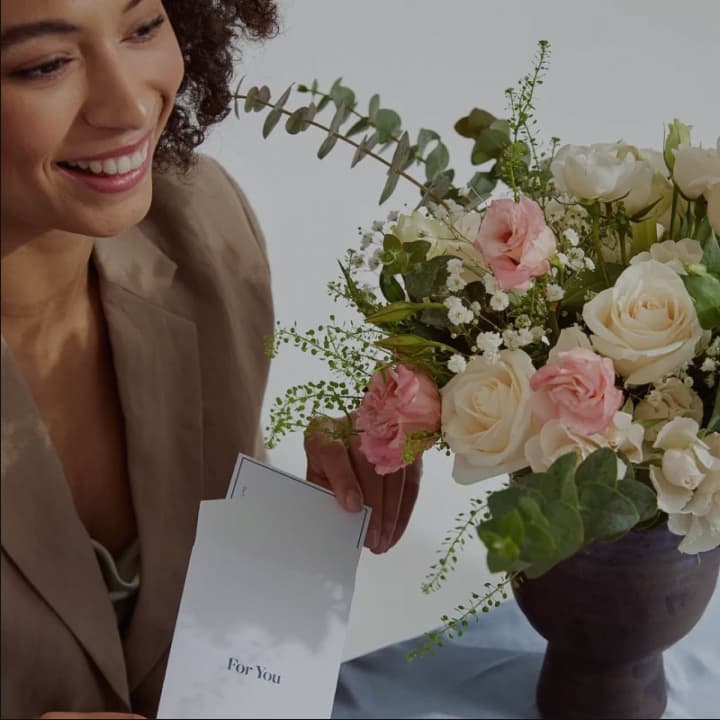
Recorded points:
(45, 70)
(148, 30)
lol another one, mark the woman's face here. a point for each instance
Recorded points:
(87, 88)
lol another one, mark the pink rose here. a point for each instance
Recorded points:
(399, 403)
(516, 242)
(578, 389)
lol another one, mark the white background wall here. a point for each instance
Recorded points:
(619, 69)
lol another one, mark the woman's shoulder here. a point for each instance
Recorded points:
(203, 212)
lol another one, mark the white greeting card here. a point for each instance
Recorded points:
(264, 611)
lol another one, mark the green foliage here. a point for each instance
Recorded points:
(543, 518)
(703, 285)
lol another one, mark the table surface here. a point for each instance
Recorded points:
(491, 672)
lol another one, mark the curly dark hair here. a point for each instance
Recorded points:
(208, 32)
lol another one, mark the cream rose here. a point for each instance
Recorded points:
(713, 208)
(696, 169)
(569, 339)
(688, 484)
(668, 400)
(555, 440)
(608, 172)
(486, 416)
(674, 254)
(646, 323)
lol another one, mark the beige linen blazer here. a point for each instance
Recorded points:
(186, 294)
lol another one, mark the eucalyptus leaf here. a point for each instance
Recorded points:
(605, 511)
(387, 124)
(600, 467)
(374, 106)
(390, 186)
(425, 136)
(296, 122)
(436, 161)
(327, 145)
(276, 113)
(714, 422)
(502, 502)
(402, 151)
(427, 279)
(397, 311)
(366, 146)
(473, 124)
(644, 499)
(362, 124)
(250, 98)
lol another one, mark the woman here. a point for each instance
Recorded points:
(135, 304)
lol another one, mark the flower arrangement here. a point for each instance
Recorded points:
(556, 318)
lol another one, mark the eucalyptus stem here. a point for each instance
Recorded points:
(356, 145)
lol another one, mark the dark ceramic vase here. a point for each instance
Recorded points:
(608, 614)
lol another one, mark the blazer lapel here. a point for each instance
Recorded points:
(38, 511)
(157, 364)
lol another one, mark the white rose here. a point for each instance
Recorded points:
(668, 400)
(696, 169)
(486, 416)
(688, 484)
(604, 172)
(712, 196)
(569, 339)
(674, 254)
(555, 440)
(646, 323)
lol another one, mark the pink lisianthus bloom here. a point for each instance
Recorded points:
(401, 405)
(578, 389)
(516, 242)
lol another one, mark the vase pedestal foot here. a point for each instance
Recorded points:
(571, 687)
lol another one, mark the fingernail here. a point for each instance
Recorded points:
(372, 539)
(353, 501)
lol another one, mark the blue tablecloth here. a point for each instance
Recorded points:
(492, 670)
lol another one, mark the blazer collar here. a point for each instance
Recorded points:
(156, 357)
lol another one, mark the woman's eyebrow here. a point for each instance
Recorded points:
(27, 31)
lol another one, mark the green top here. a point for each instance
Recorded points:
(122, 577)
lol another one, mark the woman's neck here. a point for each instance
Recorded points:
(45, 290)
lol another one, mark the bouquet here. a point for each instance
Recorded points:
(555, 318)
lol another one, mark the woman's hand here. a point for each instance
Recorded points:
(347, 473)
(82, 716)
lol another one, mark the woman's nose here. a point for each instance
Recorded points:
(117, 99)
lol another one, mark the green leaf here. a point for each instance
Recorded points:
(397, 311)
(374, 106)
(425, 280)
(340, 116)
(327, 145)
(390, 287)
(482, 184)
(589, 281)
(566, 528)
(342, 95)
(705, 292)
(711, 255)
(600, 467)
(366, 146)
(362, 124)
(439, 186)
(425, 136)
(250, 99)
(473, 124)
(275, 114)
(387, 123)
(502, 536)
(491, 142)
(411, 343)
(296, 122)
(563, 469)
(644, 499)
(436, 161)
(505, 501)
(389, 188)
(401, 154)
(417, 251)
(605, 511)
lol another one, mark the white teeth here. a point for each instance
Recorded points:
(115, 166)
